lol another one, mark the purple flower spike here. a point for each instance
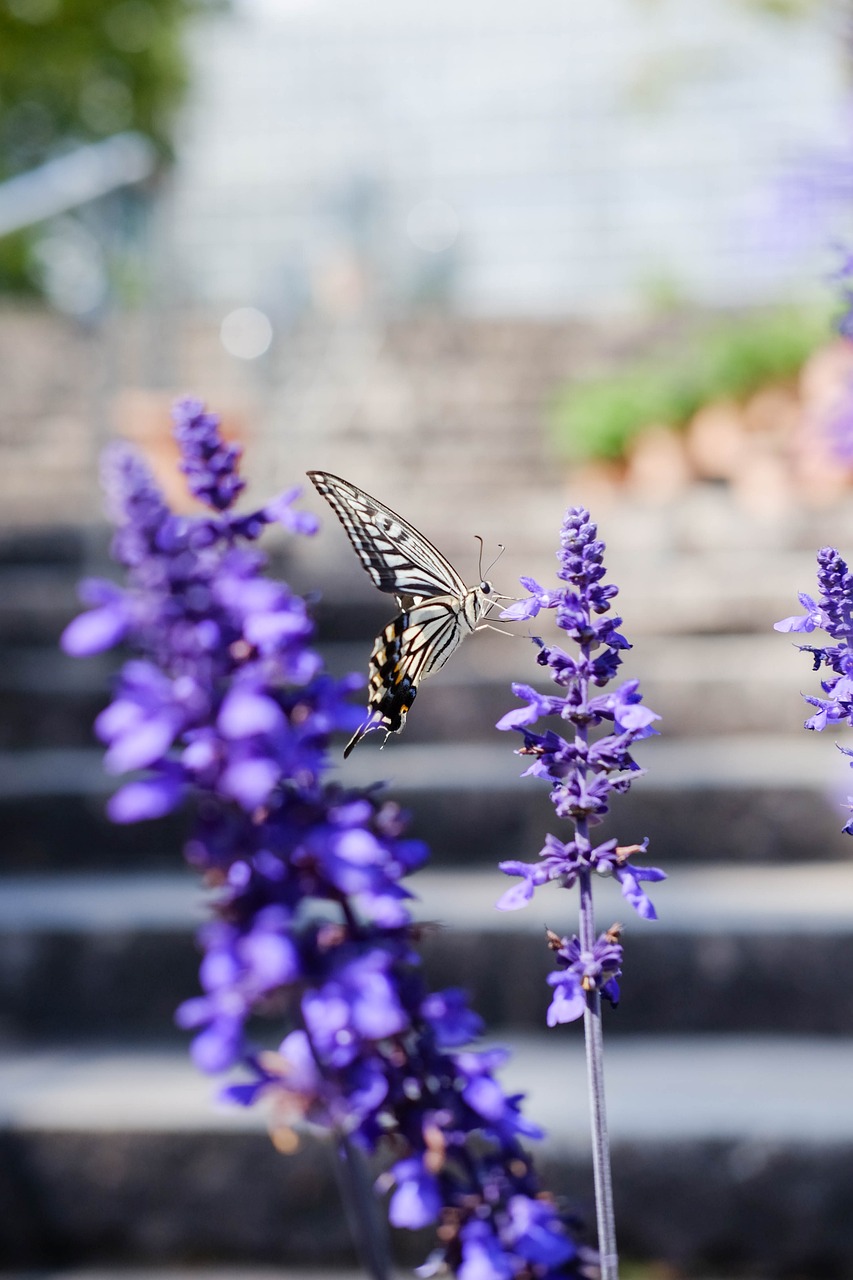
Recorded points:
(583, 769)
(832, 613)
(584, 763)
(226, 709)
(209, 463)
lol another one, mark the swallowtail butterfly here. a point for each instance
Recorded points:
(437, 609)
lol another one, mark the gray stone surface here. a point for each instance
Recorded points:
(745, 797)
(761, 1088)
(727, 1151)
(805, 898)
(736, 948)
(736, 762)
(725, 684)
(196, 1273)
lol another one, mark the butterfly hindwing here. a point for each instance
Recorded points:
(412, 646)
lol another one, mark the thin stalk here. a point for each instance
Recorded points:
(367, 1228)
(609, 1258)
(593, 1039)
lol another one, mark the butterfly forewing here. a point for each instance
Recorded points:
(438, 610)
(399, 559)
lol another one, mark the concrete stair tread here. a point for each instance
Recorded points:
(191, 1272)
(780, 1089)
(663, 589)
(745, 797)
(713, 899)
(738, 657)
(195, 1272)
(738, 761)
(79, 953)
(723, 684)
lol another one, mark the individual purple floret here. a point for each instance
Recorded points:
(832, 613)
(225, 705)
(583, 971)
(583, 770)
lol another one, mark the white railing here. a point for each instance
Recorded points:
(75, 179)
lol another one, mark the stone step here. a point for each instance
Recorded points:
(697, 684)
(744, 798)
(50, 699)
(120, 1156)
(36, 602)
(58, 545)
(720, 590)
(723, 591)
(728, 952)
(194, 1272)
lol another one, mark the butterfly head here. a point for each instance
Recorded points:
(485, 597)
(492, 597)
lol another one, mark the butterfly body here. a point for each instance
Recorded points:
(437, 609)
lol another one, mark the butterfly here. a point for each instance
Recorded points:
(437, 609)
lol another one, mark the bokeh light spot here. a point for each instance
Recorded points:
(33, 11)
(246, 333)
(433, 225)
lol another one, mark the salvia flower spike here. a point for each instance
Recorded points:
(583, 766)
(832, 612)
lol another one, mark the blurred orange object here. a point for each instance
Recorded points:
(145, 419)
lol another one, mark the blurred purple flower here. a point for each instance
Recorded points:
(416, 1202)
(208, 462)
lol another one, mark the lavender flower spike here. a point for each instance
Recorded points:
(583, 769)
(832, 613)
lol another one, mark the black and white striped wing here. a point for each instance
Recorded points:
(412, 646)
(399, 559)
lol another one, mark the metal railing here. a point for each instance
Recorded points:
(75, 179)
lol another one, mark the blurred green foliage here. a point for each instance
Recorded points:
(78, 71)
(599, 417)
(785, 8)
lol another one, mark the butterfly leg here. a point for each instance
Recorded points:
(490, 626)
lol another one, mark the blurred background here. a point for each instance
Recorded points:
(484, 260)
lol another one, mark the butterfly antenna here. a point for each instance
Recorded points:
(480, 558)
(501, 550)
